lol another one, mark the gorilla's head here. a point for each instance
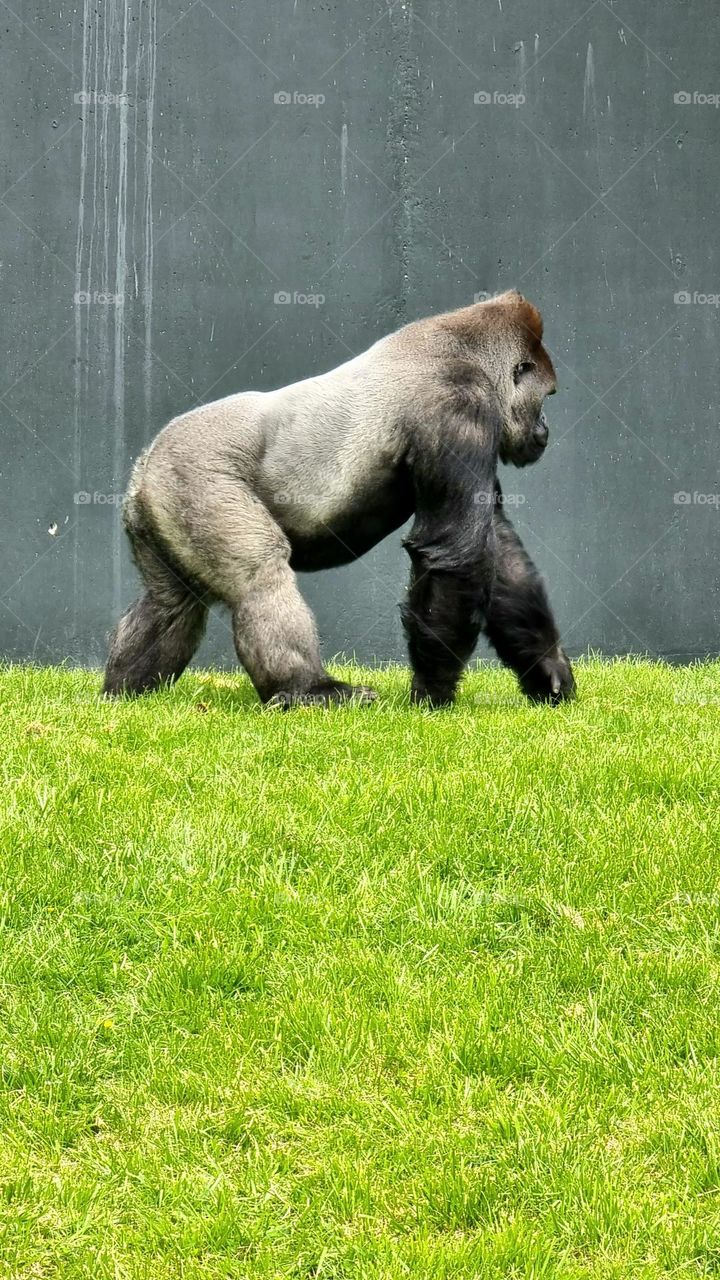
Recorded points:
(521, 371)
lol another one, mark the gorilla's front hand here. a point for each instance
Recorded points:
(550, 679)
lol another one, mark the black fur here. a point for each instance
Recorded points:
(519, 621)
(451, 549)
(470, 572)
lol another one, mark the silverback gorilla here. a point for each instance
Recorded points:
(234, 496)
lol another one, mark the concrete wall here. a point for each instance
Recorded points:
(430, 150)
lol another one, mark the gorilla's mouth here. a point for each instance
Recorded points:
(536, 445)
(541, 432)
(530, 448)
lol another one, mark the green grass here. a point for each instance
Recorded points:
(372, 992)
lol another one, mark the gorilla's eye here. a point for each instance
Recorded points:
(525, 366)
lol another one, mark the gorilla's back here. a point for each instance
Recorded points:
(333, 473)
(324, 456)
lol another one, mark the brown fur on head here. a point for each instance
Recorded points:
(504, 336)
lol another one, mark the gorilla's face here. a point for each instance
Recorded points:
(508, 330)
(525, 430)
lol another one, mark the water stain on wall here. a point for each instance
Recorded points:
(114, 240)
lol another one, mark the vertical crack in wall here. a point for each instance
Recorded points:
(80, 361)
(148, 255)
(343, 160)
(402, 144)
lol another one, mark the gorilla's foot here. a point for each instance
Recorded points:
(323, 693)
(550, 680)
(433, 694)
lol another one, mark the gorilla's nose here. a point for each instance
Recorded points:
(540, 432)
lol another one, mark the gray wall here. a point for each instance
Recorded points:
(196, 197)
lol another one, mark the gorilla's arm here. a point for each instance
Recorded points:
(519, 622)
(451, 550)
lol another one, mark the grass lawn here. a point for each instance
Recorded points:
(371, 992)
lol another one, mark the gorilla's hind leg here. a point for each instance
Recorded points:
(153, 643)
(274, 630)
(277, 643)
(157, 636)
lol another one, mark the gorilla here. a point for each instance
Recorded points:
(233, 497)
